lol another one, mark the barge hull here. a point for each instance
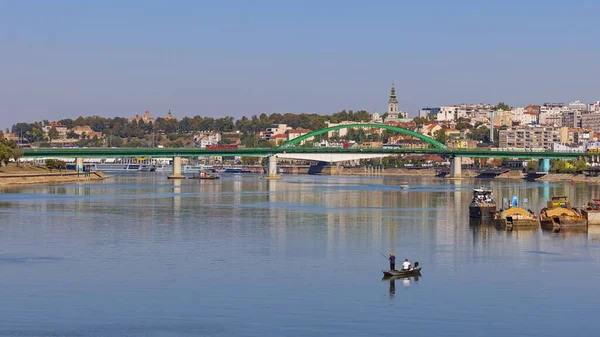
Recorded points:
(593, 217)
(482, 212)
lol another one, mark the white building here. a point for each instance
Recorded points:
(376, 118)
(202, 140)
(594, 107)
(577, 106)
(447, 113)
(276, 129)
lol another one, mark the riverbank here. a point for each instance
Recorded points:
(577, 178)
(29, 175)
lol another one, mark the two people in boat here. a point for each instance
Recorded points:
(405, 265)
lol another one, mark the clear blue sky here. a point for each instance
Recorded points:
(62, 59)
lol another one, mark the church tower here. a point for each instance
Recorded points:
(393, 102)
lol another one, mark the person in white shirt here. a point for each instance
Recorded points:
(406, 264)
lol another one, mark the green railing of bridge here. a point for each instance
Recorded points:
(262, 152)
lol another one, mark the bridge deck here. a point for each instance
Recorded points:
(262, 152)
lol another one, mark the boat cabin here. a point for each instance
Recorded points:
(559, 201)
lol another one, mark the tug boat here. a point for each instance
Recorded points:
(205, 176)
(591, 212)
(559, 214)
(482, 205)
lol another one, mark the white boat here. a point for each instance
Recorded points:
(163, 168)
(196, 168)
(118, 167)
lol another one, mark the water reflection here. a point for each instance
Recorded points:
(128, 243)
(567, 231)
(406, 282)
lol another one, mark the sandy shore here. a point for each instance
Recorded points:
(577, 178)
(26, 175)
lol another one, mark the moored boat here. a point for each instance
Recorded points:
(559, 214)
(482, 205)
(516, 218)
(205, 176)
(512, 216)
(591, 212)
(402, 272)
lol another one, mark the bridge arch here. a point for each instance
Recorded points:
(406, 132)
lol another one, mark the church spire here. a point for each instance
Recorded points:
(393, 95)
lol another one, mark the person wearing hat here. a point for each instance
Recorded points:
(392, 260)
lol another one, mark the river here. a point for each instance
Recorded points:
(139, 255)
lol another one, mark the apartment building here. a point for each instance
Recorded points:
(591, 120)
(529, 137)
(542, 136)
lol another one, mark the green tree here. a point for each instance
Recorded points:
(60, 165)
(580, 164)
(17, 153)
(72, 135)
(52, 134)
(532, 166)
(502, 106)
(114, 141)
(51, 164)
(421, 120)
(440, 135)
(5, 154)
(481, 134)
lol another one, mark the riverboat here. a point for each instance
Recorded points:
(416, 271)
(482, 205)
(559, 214)
(196, 168)
(591, 212)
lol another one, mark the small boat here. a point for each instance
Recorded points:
(205, 176)
(515, 217)
(404, 185)
(591, 212)
(482, 205)
(416, 271)
(560, 215)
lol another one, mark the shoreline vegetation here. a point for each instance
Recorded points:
(35, 175)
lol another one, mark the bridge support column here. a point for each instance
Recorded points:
(176, 169)
(79, 164)
(544, 165)
(272, 169)
(455, 168)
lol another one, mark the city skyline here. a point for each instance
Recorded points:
(62, 60)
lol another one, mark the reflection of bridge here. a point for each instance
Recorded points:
(290, 151)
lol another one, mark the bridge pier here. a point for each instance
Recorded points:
(176, 174)
(79, 164)
(455, 168)
(544, 165)
(272, 168)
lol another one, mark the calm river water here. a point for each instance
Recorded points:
(138, 255)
